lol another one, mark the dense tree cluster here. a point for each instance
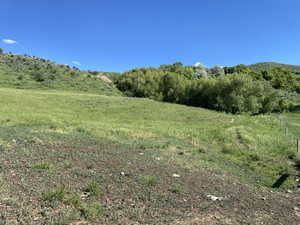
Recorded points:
(278, 77)
(232, 89)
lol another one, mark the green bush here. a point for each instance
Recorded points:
(233, 93)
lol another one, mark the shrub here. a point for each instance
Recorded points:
(233, 93)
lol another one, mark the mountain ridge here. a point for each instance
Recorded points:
(267, 65)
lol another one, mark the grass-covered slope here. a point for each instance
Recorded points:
(269, 65)
(26, 72)
(85, 158)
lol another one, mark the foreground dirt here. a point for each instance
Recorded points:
(138, 186)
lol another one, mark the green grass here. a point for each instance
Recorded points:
(25, 72)
(115, 158)
(94, 188)
(42, 166)
(251, 147)
(57, 194)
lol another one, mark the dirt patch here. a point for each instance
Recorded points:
(137, 186)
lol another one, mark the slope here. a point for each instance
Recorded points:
(267, 65)
(26, 72)
(74, 158)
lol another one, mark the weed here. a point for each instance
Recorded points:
(176, 188)
(94, 189)
(91, 211)
(42, 166)
(67, 164)
(75, 201)
(149, 180)
(56, 194)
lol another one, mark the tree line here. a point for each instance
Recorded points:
(237, 89)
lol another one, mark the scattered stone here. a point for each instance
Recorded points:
(141, 153)
(157, 158)
(297, 211)
(289, 191)
(215, 198)
(85, 195)
(176, 175)
(125, 174)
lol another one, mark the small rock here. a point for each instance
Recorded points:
(157, 158)
(176, 175)
(215, 198)
(85, 195)
(141, 153)
(289, 191)
(122, 173)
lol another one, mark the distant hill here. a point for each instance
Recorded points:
(28, 72)
(268, 65)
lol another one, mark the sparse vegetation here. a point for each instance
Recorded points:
(94, 189)
(42, 166)
(56, 194)
(27, 72)
(149, 180)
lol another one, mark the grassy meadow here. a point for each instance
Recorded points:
(76, 158)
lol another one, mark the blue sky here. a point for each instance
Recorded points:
(117, 35)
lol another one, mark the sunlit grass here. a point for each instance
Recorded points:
(252, 147)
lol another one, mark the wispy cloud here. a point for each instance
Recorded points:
(9, 41)
(76, 63)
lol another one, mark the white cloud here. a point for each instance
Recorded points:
(199, 64)
(9, 41)
(76, 63)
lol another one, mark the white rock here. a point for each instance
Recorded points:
(176, 175)
(214, 198)
(122, 173)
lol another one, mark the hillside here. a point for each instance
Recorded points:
(268, 65)
(76, 158)
(74, 151)
(26, 72)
